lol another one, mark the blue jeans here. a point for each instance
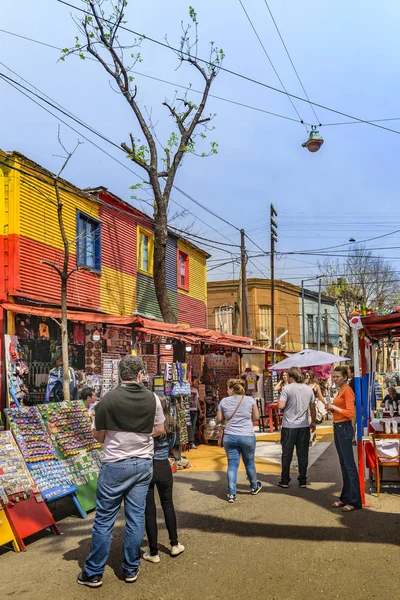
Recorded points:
(343, 434)
(126, 480)
(236, 445)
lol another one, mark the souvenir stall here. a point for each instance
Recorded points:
(374, 422)
(39, 453)
(20, 499)
(210, 356)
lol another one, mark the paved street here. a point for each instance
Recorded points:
(279, 544)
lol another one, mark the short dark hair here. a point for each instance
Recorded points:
(351, 368)
(296, 374)
(130, 367)
(86, 392)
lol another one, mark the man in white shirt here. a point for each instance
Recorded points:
(126, 421)
(296, 400)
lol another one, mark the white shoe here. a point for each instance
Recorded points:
(153, 559)
(176, 550)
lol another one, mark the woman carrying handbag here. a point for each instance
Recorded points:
(239, 411)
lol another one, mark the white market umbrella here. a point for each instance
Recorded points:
(308, 358)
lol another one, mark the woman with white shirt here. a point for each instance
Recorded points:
(239, 411)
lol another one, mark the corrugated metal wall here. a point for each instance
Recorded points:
(170, 261)
(191, 311)
(197, 273)
(147, 299)
(38, 213)
(117, 292)
(118, 240)
(41, 282)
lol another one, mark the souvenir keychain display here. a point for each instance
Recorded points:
(30, 433)
(16, 483)
(37, 448)
(70, 427)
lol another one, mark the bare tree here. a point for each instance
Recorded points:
(361, 280)
(63, 271)
(101, 31)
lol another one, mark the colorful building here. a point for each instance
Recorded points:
(111, 249)
(224, 313)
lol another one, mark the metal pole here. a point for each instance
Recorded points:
(274, 238)
(357, 387)
(319, 316)
(272, 292)
(326, 330)
(303, 317)
(245, 301)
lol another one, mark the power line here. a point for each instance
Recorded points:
(256, 108)
(10, 81)
(268, 57)
(176, 85)
(70, 115)
(291, 61)
(240, 75)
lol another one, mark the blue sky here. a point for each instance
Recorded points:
(347, 56)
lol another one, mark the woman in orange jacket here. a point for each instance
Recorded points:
(343, 410)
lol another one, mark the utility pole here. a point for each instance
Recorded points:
(319, 315)
(326, 330)
(274, 239)
(245, 300)
(303, 316)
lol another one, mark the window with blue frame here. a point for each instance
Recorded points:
(88, 242)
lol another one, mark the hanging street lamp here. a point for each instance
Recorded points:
(315, 141)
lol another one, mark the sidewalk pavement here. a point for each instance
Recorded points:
(278, 545)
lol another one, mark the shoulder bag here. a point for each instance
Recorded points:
(220, 439)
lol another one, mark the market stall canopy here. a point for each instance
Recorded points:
(378, 327)
(181, 332)
(195, 334)
(307, 358)
(73, 315)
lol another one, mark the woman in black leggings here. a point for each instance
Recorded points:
(163, 480)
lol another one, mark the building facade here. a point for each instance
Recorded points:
(110, 243)
(224, 313)
(328, 322)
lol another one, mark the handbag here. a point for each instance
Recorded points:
(221, 432)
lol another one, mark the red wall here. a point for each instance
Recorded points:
(40, 282)
(191, 311)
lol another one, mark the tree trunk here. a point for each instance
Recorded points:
(159, 268)
(64, 339)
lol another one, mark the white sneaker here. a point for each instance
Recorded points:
(153, 559)
(176, 550)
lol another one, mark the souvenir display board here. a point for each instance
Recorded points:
(23, 504)
(270, 381)
(16, 483)
(38, 450)
(70, 428)
(110, 371)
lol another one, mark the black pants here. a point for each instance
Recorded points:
(163, 480)
(343, 434)
(291, 438)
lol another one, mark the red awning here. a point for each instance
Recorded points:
(386, 326)
(73, 315)
(185, 333)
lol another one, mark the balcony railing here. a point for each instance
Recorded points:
(333, 339)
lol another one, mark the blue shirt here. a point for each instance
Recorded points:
(163, 445)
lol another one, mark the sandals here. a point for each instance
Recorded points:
(338, 504)
(348, 508)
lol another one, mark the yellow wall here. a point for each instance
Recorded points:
(35, 216)
(197, 273)
(117, 292)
